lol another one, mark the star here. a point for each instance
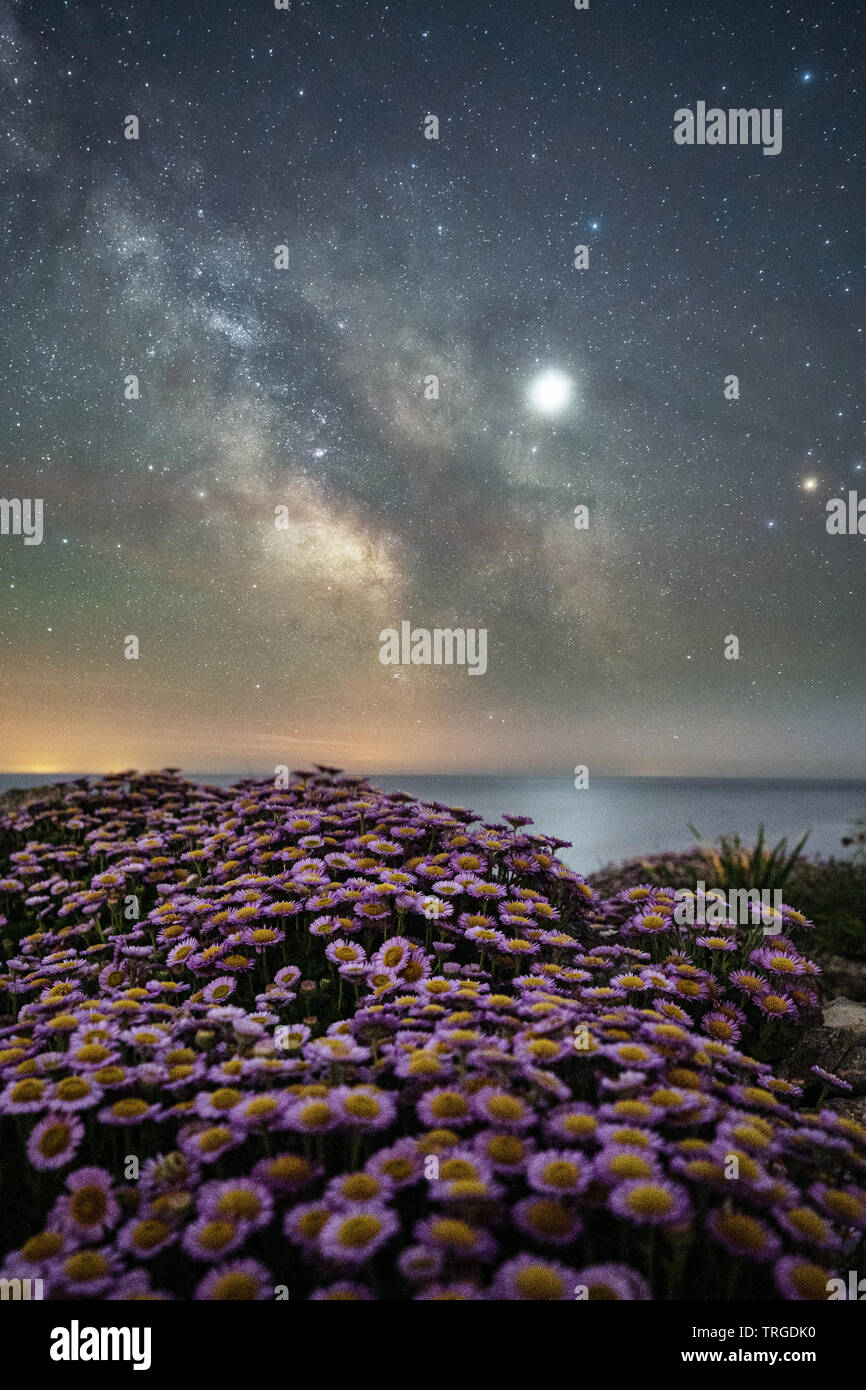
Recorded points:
(550, 392)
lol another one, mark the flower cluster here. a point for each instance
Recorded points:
(337, 1043)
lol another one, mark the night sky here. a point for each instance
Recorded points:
(304, 387)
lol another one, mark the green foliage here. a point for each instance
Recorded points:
(734, 864)
(857, 837)
(831, 893)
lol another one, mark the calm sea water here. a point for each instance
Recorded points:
(618, 818)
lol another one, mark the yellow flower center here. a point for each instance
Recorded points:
(129, 1109)
(73, 1088)
(216, 1235)
(237, 1287)
(86, 1265)
(743, 1231)
(561, 1173)
(360, 1187)
(450, 1105)
(539, 1282)
(88, 1205)
(550, 1218)
(650, 1200)
(454, 1233)
(358, 1231)
(505, 1108)
(212, 1139)
(26, 1091)
(226, 1098)
(315, 1116)
(42, 1247)
(55, 1140)
(149, 1234)
(809, 1222)
(239, 1205)
(810, 1282)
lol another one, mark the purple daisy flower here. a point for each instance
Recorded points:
(808, 1227)
(312, 1115)
(24, 1097)
(135, 1287)
(343, 1291)
(304, 1223)
(88, 1273)
(400, 1164)
(242, 1200)
(547, 1220)
(342, 952)
(204, 1143)
(445, 1107)
(54, 1142)
(743, 1235)
(576, 1122)
(219, 989)
(846, 1205)
(558, 1172)
(356, 1190)
(237, 1281)
(650, 1202)
(365, 1107)
(419, 1263)
(801, 1280)
(776, 1005)
(533, 1279)
(612, 1282)
(503, 1109)
(832, 1079)
(455, 1290)
(210, 1237)
(144, 1237)
(353, 1235)
(75, 1093)
(455, 1237)
(91, 1207)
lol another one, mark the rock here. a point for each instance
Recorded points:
(844, 1013)
(850, 1108)
(842, 976)
(839, 1046)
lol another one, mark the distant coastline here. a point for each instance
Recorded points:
(619, 818)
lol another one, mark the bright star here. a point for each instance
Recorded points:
(550, 392)
(810, 484)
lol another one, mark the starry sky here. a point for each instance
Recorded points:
(304, 387)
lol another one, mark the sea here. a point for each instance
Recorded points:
(620, 818)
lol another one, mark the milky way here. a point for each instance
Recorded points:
(304, 387)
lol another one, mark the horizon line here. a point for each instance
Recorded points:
(196, 775)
